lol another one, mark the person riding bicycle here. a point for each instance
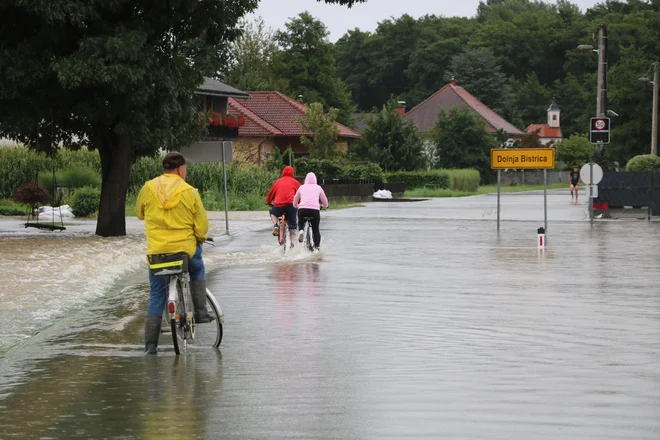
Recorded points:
(175, 221)
(281, 197)
(307, 201)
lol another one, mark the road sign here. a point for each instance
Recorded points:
(585, 174)
(522, 158)
(599, 132)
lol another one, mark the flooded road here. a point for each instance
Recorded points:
(416, 321)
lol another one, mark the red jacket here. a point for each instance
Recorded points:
(284, 189)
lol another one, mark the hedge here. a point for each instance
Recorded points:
(417, 179)
(332, 169)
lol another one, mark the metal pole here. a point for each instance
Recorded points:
(499, 178)
(545, 200)
(224, 172)
(601, 98)
(654, 123)
(591, 192)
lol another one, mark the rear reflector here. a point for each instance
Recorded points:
(171, 307)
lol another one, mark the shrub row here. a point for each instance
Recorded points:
(457, 180)
(464, 180)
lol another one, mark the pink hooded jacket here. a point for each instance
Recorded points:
(308, 195)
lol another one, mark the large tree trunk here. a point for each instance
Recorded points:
(116, 153)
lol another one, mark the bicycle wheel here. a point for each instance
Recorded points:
(309, 241)
(286, 240)
(210, 334)
(178, 323)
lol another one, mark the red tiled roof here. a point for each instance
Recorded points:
(275, 114)
(425, 115)
(545, 131)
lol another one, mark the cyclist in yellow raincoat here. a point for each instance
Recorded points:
(175, 221)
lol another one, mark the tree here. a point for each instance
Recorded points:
(391, 142)
(462, 141)
(254, 57)
(323, 126)
(118, 75)
(575, 151)
(308, 62)
(477, 71)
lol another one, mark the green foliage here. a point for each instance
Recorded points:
(85, 201)
(275, 162)
(463, 142)
(371, 172)
(575, 151)
(322, 143)
(477, 70)
(417, 179)
(464, 180)
(644, 162)
(307, 61)
(256, 56)
(391, 142)
(18, 166)
(323, 168)
(12, 208)
(75, 177)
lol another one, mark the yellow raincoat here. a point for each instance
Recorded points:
(173, 214)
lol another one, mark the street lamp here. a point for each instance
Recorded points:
(654, 122)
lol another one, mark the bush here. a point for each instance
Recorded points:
(144, 169)
(323, 168)
(32, 194)
(85, 201)
(644, 162)
(417, 179)
(464, 180)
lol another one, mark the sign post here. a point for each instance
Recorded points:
(524, 159)
(226, 156)
(591, 174)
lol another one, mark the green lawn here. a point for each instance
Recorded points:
(486, 189)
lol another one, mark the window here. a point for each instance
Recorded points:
(554, 117)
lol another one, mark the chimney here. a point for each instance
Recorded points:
(401, 107)
(300, 99)
(453, 81)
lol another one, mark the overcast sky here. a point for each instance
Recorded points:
(366, 16)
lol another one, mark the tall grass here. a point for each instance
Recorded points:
(464, 180)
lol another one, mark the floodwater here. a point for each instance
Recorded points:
(417, 320)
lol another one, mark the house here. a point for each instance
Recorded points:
(271, 120)
(549, 133)
(425, 115)
(213, 96)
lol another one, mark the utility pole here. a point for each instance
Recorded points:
(601, 104)
(601, 97)
(654, 123)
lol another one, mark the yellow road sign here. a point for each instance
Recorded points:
(522, 158)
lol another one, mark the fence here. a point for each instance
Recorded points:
(634, 189)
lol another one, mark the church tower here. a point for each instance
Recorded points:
(553, 115)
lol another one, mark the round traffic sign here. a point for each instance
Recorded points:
(585, 174)
(599, 124)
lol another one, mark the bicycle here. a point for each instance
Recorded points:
(283, 233)
(179, 308)
(308, 239)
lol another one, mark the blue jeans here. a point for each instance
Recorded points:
(158, 293)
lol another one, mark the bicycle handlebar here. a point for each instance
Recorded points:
(210, 241)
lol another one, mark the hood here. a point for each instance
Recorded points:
(310, 179)
(287, 171)
(167, 188)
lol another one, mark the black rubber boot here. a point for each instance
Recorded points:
(198, 293)
(151, 333)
